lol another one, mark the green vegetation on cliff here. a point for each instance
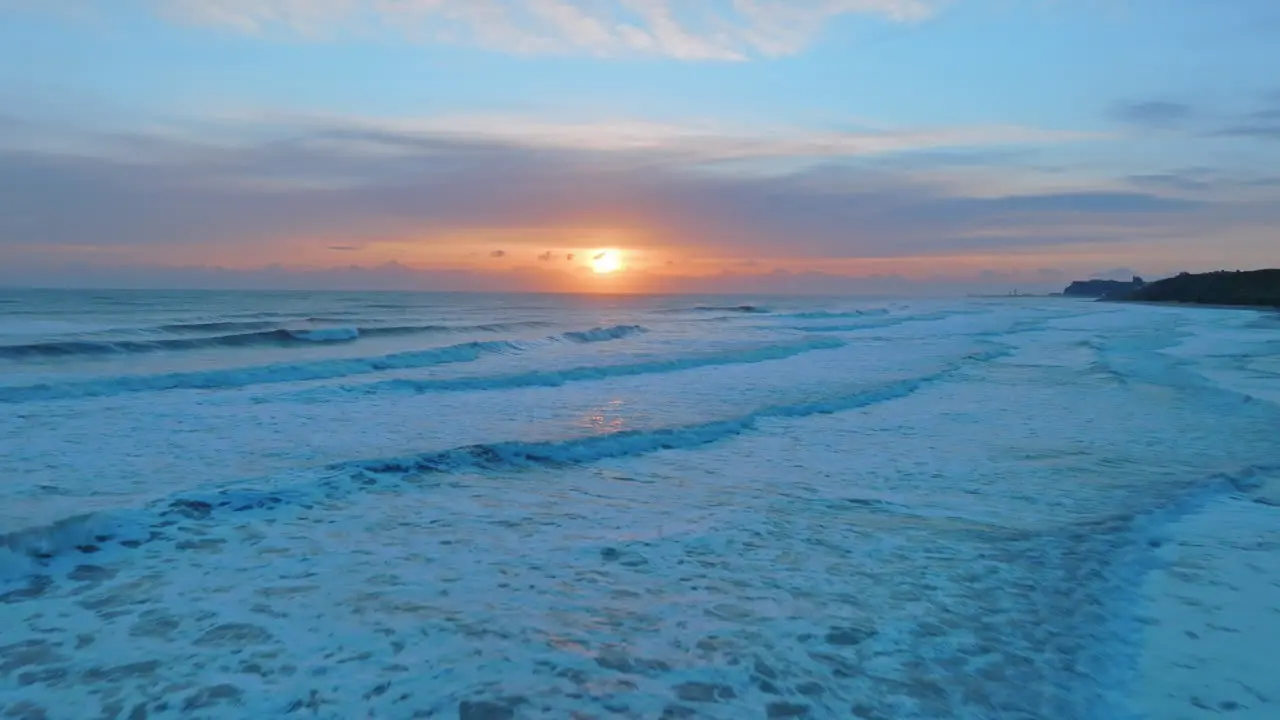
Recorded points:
(1255, 287)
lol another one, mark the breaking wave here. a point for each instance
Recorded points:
(347, 476)
(517, 455)
(874, 320)
(23, 553)
(824, 315)
(276, 336)
(217, 326)
(262, 374)
(872, 325)
(130, 528)
(748, 309)
(288, 372)
(70, 348)
(556, 378)
(617, 332)
(323, 335)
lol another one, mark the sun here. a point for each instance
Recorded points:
(606, 261)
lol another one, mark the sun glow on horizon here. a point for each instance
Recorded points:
(606, 261)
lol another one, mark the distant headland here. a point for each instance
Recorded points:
(1253, 288)
(1103, 288)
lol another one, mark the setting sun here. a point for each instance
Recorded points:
(606, 261)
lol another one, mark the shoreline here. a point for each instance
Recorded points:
(1186, 304)
(1212, 613)
(1153, 303)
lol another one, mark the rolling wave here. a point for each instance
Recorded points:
(217, 326)
(80, 532)
(518, 455)
(131, 528)
(556, 378)
(825, 315)
(286, 372)
(617, 332)
(747, 309)
(274, 337)
(874, 320)
(261, 374)
(347, 476)
(870, 325)
(279, 337)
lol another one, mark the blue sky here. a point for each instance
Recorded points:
(712, 142)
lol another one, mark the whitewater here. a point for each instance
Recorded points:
(489, 507)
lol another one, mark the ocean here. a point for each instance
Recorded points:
(385, 505)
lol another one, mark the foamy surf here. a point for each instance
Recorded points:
(295, 372)
(249, 335)
(558, 377)
(939, 509)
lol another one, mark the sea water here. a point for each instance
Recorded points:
(341, 505)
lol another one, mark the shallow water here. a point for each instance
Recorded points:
(626, 507)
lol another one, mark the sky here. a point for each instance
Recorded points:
(875, 146)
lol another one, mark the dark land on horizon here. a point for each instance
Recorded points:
(1251, 288)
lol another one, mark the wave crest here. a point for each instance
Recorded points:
(36, 546)
(262, 374)
(617, 332)
(829, 315)
(290, 372)
(277, 336)
(556, 378)
(325, 335)
(747, 309)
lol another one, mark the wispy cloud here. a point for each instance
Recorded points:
(683, 29)
(742, 279)
(1260, 124)
(1160, 114)
(1188, 182)
(344, 185)
(1258, 131)
(685, 143)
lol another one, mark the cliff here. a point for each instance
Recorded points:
(1102, 288)
(1246, 288)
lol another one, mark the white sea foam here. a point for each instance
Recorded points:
(557, 377)
(946, 510)
(291, 372)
